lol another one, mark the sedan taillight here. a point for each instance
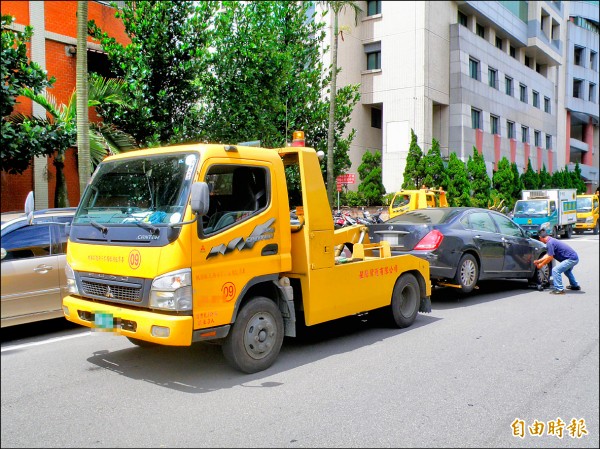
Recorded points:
(431, 241)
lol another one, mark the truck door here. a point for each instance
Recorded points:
(238, 239)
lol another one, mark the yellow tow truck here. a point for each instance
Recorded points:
(587, 214)
(405, 200)
(196, 242)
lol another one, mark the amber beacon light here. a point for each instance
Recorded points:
(298, 139)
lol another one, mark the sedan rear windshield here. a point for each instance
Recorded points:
(426, 216)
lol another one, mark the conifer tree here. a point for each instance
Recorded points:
(458, 191)
(530, 178)
(371, 186)
(435, 172)
(414, 172)
(479, 179)
(502, 181)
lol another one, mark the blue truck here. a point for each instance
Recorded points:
(553, 209)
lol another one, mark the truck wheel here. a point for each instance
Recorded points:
(467, 273)
(554, 232)
(406, 298)
(569, 232)
(142, 343)
(256, 337)
(596, 228)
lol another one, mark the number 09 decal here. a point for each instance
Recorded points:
(228, 291)
(135, 259)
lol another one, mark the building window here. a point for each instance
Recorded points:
(509, 85)
(523, 93)
(473, 69)
(536, 99)
(547, 105)
(462, 18)
(593, 60)
(524, 134)
(548, 142)
(513, 51)
(592, 93)
(373, 7)
(494, 121)
(493, 78)
(578, 55)
(480, 30)
(376, 118)
(498, 43)
(537, 137)
(510, 129)
(475, 118)
(577, 85)
(374, 60)
(527, 61)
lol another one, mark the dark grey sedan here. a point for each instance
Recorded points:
(464, 245)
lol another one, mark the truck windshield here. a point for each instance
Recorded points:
(128, 191)
(584, 204)
(532, 207)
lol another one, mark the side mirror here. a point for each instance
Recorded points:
(2, 253)
(200, 198)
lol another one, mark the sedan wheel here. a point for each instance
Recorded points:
(467, 273)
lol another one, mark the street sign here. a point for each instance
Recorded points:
(347, 178)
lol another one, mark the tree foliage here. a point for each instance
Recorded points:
(458, 192)
(479, 179)
(530, 178)
(164, 68)
(21, 141)
(414, 172)
(502, 183)
(435, 172)
(369, 171)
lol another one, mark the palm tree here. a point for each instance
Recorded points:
(62, 119)
(83, 124)
(336, 7)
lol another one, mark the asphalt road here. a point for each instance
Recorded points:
(459, 377)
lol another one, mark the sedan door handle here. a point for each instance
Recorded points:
(506, 242)
(42, 269)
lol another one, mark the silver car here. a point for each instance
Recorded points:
(33, 264)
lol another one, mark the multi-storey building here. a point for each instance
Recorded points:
(493, 75)
(54, 47)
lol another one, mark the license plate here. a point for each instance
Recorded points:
(104, 321)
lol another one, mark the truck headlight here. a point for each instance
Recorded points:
(547, 226)
(172, 291)
(71, 283)
(589, 219)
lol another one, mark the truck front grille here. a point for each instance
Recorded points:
(111, 291)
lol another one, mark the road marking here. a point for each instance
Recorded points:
(38, 343)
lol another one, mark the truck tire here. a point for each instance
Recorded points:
(554, 232)
(596, 228)
(256, 337)
(467, 273)
(568, 232)
(406, 299)
(142, 343)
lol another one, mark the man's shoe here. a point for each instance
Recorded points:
(573, 287)
(557, 292)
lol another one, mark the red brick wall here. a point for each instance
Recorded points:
(61, 18)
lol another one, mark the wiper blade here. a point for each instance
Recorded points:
(153, 229)
(102, 229)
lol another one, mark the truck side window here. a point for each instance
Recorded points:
(236, 192)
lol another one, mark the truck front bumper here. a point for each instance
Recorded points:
(585, 226)
(170, 330)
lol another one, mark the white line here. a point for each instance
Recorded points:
(38, 343)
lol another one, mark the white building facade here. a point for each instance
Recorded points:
(513, 79)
